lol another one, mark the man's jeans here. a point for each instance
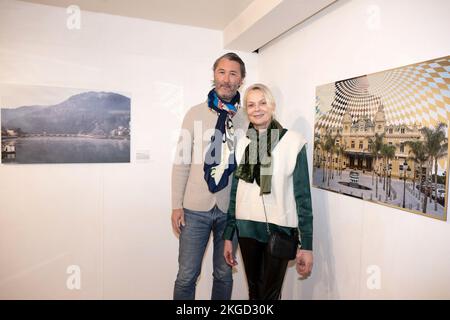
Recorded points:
(193, 240)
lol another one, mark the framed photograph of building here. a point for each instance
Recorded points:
(383, 137)
(63, 125)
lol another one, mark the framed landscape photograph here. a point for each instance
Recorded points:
(383, 137)
(63, 125)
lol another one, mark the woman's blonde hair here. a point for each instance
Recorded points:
(265, 91)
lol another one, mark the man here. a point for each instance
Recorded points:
(201, 180)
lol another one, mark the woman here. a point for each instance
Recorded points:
(270, 193)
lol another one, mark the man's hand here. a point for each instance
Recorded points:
(304, 263)
(177, 220)
(228, 253)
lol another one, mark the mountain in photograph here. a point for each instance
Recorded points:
(90, 113)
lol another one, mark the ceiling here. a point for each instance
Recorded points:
(211, 14)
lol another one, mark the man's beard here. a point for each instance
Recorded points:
(227, 96)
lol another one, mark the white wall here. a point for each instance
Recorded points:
(346, 40)
(112, 220)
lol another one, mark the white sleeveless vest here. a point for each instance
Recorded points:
(280, 203)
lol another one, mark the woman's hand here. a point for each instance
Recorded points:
(304, 263)
(228, 253)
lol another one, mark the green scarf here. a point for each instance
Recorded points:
(256, 165)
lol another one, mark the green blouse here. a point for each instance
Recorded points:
(258, 230)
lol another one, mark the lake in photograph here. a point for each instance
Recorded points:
(66, 150)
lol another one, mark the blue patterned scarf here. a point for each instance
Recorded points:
(220, 160)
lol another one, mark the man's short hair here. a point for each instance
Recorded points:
(232, 57)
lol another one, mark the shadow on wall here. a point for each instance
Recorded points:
(322, 282)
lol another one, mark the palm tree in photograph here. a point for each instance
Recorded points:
(387, 153)
(319, 145)
(441, 153)
(329, 148)
(340, 151)
(316, 149)
(376, 145)
(419, 155)
(435, 143)
(322, 159)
